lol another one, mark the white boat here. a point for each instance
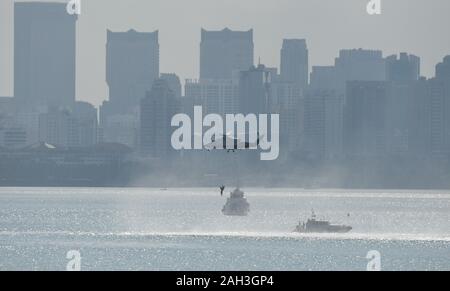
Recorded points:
(313, 225)
(237, 204)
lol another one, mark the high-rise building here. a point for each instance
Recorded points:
(69, 128)
(13, 121)
(323, 124)
(359, 65)
(324, 110)
(13, 137)
(215, 96)
(288, 102)
(132, 65)
(400, 105)
(87, 123)
(443, 70)
(294, 62)
(174, 83)
(438, 117)
(6, 105)
(403, 69)
(419, 121)
(13, 129)
(366, 119)
(430, 118)
(119, 128)
(157, 110)
(402, 72)
(436, 106)
(254, 90)
(443, 76)
(58, 128)
(6, 48)
(323, 78)
(223, 53)
(44, 54)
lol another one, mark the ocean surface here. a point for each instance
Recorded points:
(184, 229)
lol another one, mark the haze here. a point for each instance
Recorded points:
(416, 26)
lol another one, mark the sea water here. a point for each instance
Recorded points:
(184, 229)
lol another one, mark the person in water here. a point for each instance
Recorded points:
(222, 189)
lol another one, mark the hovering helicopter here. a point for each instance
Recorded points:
(231, 144)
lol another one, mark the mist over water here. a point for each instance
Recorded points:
(183, 229)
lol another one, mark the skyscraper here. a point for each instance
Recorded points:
(254, 90)
(6, 47)
(294, 62)
(323, 78)
(157, 110)
(443, 75)
(174, 83)
(87, 123)
(216, 96)
(132, 65)
(402, 72)
(438, 117)
(419, 123)
(288, 102)
(359, 65)
(430, 114)
(58, 128)
(365, 119)
(44, 54)
(119, 128)
(6, 105)
(323, 124)
(222, 53)
(403, 69)
(436, 103)
(443, 70)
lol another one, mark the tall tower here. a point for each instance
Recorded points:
(157, 110)
(132, 65)
(174, 83)
(403, 69)
(223, 53)
(6, 46)
(366, 118)
(254, 90)
(359, 65)
(294, 62)
(44, 54)
(443, 70)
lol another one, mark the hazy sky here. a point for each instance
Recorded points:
(420, 27)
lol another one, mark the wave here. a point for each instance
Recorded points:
(254, 235)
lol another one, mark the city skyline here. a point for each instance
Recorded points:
(410, 35)
(44, 55)
(364, 106)
(224, 135)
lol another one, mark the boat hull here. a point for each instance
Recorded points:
(330, 229)
(236, 207)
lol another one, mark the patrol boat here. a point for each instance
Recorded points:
(313, 225)
(237, 204)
